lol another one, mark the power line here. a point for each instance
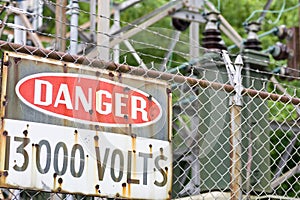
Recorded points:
(271, 11)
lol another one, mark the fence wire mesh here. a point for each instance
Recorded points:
(203, 116)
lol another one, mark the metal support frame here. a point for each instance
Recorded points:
(193, 187)
(2, 22)
(135, 55)
(194, 32)
(138, 21)
(81, 34)
(145, 21)
(172, 45)
(103, 16)
(163, 12)
(33, 35)
(38, 12)
(126, 4)
(116, 26)
(24, 21)
(285, 176)
(189, 16)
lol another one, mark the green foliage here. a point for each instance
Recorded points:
(287, 111)
(247, 8)
(141, 9)
(279, 142)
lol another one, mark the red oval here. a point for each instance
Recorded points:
(88, 99)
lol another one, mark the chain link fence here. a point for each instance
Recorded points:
(205, 119)
(201, 133)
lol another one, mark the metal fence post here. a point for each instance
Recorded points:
(74, 6)
(234, 74)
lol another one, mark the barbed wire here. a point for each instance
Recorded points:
(266, 62)
(161, 58)
(141, 43)
(98, 32)
(99, 45)
(265, 79)
(128, 24)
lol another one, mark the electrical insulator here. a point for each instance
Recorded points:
(284, 73)
(283, 32)
(212, 36)
(280, 51)
(180, 25)
(252, 41)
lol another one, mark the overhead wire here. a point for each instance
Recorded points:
(272, 11)
(280, 13)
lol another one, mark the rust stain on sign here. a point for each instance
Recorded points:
(62, 129)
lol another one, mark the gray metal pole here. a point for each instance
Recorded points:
(74, 27)
(194, 31)
(194, 54)
(20, 35)
(171, 47)
(38, 10)
(93, 20)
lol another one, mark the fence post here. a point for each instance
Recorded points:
(234, 75)
(74, 7)
(60, 26)
(235, 154)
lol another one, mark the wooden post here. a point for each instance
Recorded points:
(60, 27)
(235, 154)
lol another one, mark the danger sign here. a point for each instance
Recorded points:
(76, 129)
(88, 99)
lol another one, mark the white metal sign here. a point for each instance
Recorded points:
(74, 129)
(94, 163)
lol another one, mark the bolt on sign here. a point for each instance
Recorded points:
(75, 129)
